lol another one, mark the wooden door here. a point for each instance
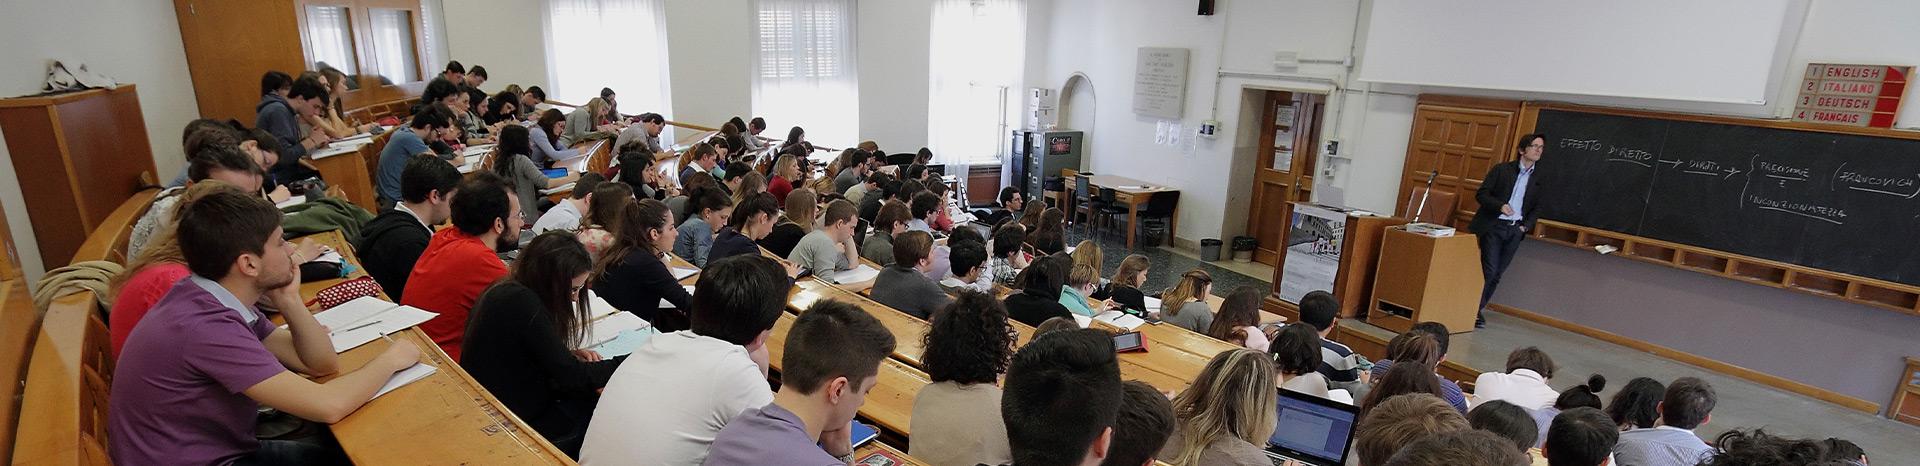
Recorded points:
(1460, 138)
(1289, 143)
(230, 43)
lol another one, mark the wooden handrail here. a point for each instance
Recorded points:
(109, 239)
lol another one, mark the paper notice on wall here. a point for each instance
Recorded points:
(1173, 133)
(1160, 132)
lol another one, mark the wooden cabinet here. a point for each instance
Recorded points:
(77, 156)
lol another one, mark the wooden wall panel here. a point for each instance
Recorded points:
(229, 44)
(77, 156)
(1460, 138)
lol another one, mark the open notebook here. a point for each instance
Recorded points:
(613, 333)
(365, 319)
(859, 273)
(406, 376)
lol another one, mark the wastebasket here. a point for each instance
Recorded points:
(1210, 249)
(1243, 247)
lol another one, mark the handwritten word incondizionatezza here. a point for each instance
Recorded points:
(1817, 212)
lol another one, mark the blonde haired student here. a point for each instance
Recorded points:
(1227, 415)
(1186, 303)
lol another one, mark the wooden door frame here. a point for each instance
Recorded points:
(1300, 175)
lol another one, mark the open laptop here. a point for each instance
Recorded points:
(1312, 430)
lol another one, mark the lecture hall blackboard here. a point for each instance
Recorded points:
(1840, 202)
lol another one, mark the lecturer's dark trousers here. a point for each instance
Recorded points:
(1497, 246)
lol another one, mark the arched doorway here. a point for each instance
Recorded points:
(1077, 106)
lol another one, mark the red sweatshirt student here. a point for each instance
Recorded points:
(462, 261)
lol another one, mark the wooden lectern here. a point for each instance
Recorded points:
(1426, 279)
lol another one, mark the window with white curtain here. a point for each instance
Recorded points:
(976, 59)
(393, 48)
(803, 69)
(330, 34)
(431, 33)
(615, 44)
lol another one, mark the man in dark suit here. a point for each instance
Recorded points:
(1509, 203)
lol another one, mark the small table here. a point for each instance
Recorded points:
(1135, 193)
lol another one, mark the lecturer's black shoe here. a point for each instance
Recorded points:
(1480, 321)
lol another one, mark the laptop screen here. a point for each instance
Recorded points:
(1313, 426)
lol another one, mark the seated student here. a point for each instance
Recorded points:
(796, 220)
(596, 228)
(707, 211)
(647, 133)
(281, 116)
(751, 221)
(391, 243)
(1524, 383)
(636, 169)
(212, 154)
(329, 119)
(831, 360)
(1007, 260)
(404, 145)
(1580, 437)
(968, 262)
(956, 419)
(1637, 405)
(521, 339)
(940, 219)
(829, 248)
(720, 367)
(1844, 453)
(1185, 304)
(1296, 355)
(1008, 207)
(633, 275)
(1460, 448)
(566, 214)
(743, 182)
(1580, 396)
(786, 173)
(1081, 280)
(858, 193)
(1057, 324)
(1124, 287)
(264, 148)
(1088, 253)
(924, 205)
(886, 189)
(1338, 363)
(502, 106)
(904, 285)
(1049, 425)
(512, 163)
(1441, 338)
(1227, 415)
(705, 159)
(853, 169)
(1687, 405)
(545, 136)
(1410, 376)
(193, 378)
(678, 202)
(154, 271)
(1510, 422)
(1399, 421)
(1039, 297)
(533, 99)
(1141, 430)
(1239, 321)
(892, 220)
(462, 261)
(1050, 235)
(593, 118)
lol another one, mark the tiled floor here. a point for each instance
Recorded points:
(1742, 404)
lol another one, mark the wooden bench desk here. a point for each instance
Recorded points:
(877, 447)
(446, 418)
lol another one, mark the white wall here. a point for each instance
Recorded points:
(502, 35)
(707, 47)
(1099, 38)
(893, 44)
(132, 42)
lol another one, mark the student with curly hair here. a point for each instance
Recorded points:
(956, 419)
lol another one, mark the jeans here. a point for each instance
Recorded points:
(1497, 246)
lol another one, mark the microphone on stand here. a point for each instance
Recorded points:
(1428, 191)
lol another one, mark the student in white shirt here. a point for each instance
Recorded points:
(1296, 360)
(566, 215)
(1687, 405)
(1524, 383)
(969, 268)
(668, 400)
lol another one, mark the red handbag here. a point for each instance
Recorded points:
(345, 291)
